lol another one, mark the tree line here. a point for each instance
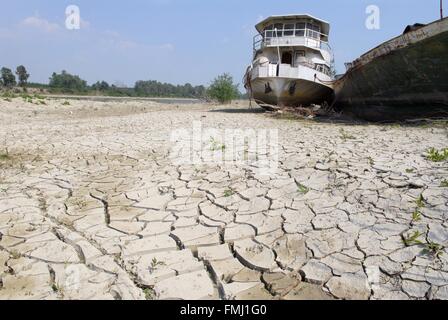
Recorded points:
(222, 88)
(8, 78)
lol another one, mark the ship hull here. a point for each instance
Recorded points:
(273, 93)
(408, 82)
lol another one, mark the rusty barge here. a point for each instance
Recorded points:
(403, 78)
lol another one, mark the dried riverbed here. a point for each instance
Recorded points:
(93, 206)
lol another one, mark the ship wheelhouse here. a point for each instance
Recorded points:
(287, 46)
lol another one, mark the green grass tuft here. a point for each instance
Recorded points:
(413, 239)
(149, 293)
(302, 189)
(346, 136)
(435, 155)
(216, 146)
(420, 201)
(434, 248)
(4, 156)
(416, 216)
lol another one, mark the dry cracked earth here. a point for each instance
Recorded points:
(93, 207)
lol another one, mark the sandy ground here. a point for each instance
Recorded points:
(96, 204)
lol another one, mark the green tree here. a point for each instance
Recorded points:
(22, 75)
(8, 78)
(223, 89)
(68, 83)
(157, 89)
(101, 86)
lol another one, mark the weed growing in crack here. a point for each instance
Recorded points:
(4, 156)
(81, 204)
(413, 238)
(420, 201)
(302, 189)
(216, 146)
(15, 254)
(228, 193)
(66, 103)
(57, 289)
(429, 247)
(155, 264)
(434, 248)
(409, 170)
(346, 136)
(149, 293)
(435, 155)
(416, 216)
(444, 183)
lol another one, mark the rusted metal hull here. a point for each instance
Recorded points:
(276, 92)
(404, 78)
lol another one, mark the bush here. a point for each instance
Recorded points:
(223, 89)
(67, 83)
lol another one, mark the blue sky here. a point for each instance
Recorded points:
(178, 41)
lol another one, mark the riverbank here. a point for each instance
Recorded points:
(98, 201)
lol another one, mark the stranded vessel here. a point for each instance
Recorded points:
(403, 78)
(292, 62)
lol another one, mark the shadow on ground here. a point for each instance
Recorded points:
(239, 110)
(337, 118)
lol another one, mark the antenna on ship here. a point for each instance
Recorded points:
(441, 9)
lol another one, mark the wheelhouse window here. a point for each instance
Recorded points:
(289, 30)
(269, 31)
(279, 32)
(313, 31)
(300, 29)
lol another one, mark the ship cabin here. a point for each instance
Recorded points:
(285, 44)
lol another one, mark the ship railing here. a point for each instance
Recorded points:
(288, 37)
(302, 69)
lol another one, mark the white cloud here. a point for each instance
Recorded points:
(40, 24)
(166, 46)
(116, 40)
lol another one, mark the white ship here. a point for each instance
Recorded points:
(292, 62)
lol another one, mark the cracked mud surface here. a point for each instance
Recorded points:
(92, 207)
